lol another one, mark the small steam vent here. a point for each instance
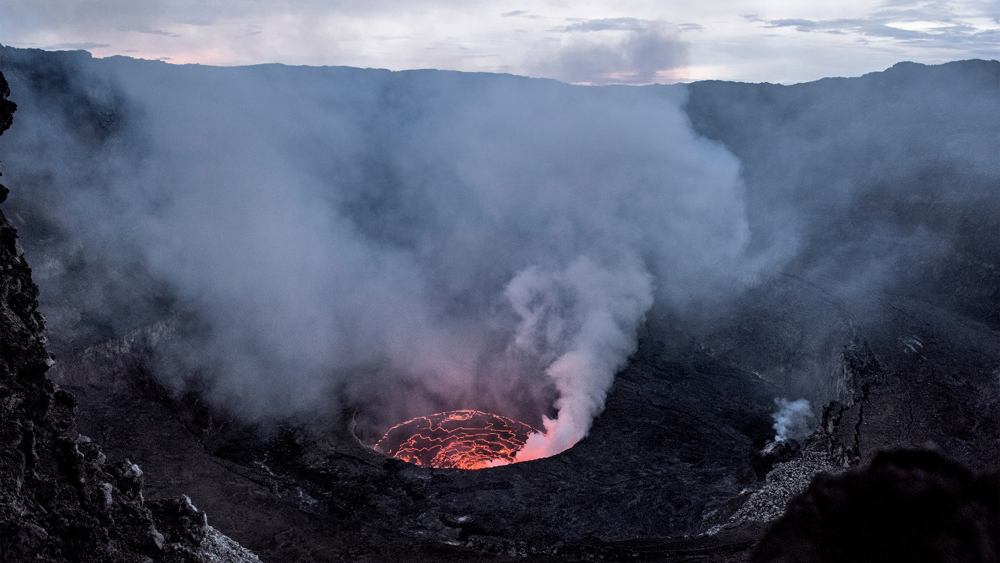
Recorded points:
(462, 439)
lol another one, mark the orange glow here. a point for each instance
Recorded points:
(463, 439)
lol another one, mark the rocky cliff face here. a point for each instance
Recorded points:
(61, 498)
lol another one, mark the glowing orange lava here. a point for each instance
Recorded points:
(464, 439)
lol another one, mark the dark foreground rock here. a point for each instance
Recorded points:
(61, 499)
(909, 505)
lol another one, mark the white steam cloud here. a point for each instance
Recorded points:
(584, 359)
(405, 242)
(791, 420)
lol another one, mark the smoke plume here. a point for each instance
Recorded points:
(300, 239)
(406, 242)
(791, 420)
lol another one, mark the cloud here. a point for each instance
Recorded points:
(155, 32)
(522, 14)
(348, 32)
(608, 24)
(616, 51)
(798, 24)
(84, 46)
(127, 14)
(917, 24)
(691, 27)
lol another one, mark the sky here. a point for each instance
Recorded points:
(583, 41)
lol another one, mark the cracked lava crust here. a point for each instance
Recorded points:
(462, 439)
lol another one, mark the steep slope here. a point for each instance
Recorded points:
(61, 499)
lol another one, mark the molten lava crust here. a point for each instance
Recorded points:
(463, 439)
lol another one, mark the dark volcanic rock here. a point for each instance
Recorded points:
(908, 505)
(60, 498)
(774, 453)
(673, 469)
(311, 492)
(7, 107)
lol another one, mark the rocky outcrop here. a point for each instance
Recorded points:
(7, 107)
(886, 404)
(909, 505)
(61, 498)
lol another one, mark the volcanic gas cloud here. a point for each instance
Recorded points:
(463, 439)
(391, 242)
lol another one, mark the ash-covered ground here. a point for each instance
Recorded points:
(864, 279)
